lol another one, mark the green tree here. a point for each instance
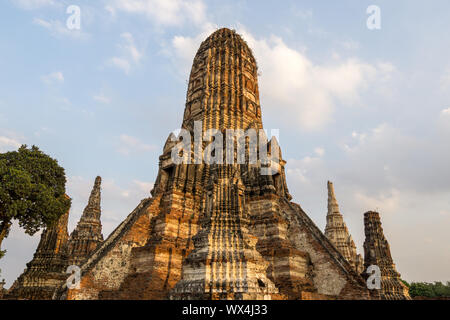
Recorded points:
(430, 290)
(421, 289)
(32, 191)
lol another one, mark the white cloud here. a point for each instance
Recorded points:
(130, 47)
(446, 112)
(120, 63)
(319, 151)
(163, 12)
(305, 169)
(129, 144)
(54, 77)
(8, 144)
(292, 85)
(388, 202)
(34, 4)
(304, 91)
(59, 29)
(102, 98)
(183, 48)
(42, 23)
(359, 136)
(131, 55)
(143, 186)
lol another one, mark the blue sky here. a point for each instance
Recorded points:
(367, 109)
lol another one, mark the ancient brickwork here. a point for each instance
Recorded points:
(87, 235)
(106, 269)
(377, 252)
(216, 231)
(223, 88)
(46, 271)
(333, 276)
(2, 289)
(225, 263)
(336, 230)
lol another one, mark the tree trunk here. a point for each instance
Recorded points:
(4, 230)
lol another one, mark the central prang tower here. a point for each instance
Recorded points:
(218, 231)
(223, 85)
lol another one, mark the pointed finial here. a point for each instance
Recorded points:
(330, 189)
(93, 208)
(333, 206)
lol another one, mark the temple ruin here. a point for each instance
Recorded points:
(211, 231)
(337, 232)
(378, 253)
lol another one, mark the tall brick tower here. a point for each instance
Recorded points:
(223, 87)
(377, 252)
(218, 231)
(46, 271)
(88, 232)
(336, 230)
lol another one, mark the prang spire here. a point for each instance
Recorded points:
(47, 270)
(88, 233)
(93, 209)
(333, 206)
(223, 85)
(378, 253)
(337, 232)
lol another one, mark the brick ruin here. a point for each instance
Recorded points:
(208, 231)
(377, 252)
(56, 251)
(2, 289)
(87, 235)
(47, 269)
(337, 232)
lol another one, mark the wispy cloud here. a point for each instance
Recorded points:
(34, 4)
(120, 63)
(129, 47)
(130, 56)
(102, 98)
(163, 12)
(54, 77)
(183, 48)
(319, 151)
(309, 92)
(59, 29)
(143, 186)
(129, 145)
(8, 144)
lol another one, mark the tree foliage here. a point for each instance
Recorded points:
(32, 190)
(429, 290)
